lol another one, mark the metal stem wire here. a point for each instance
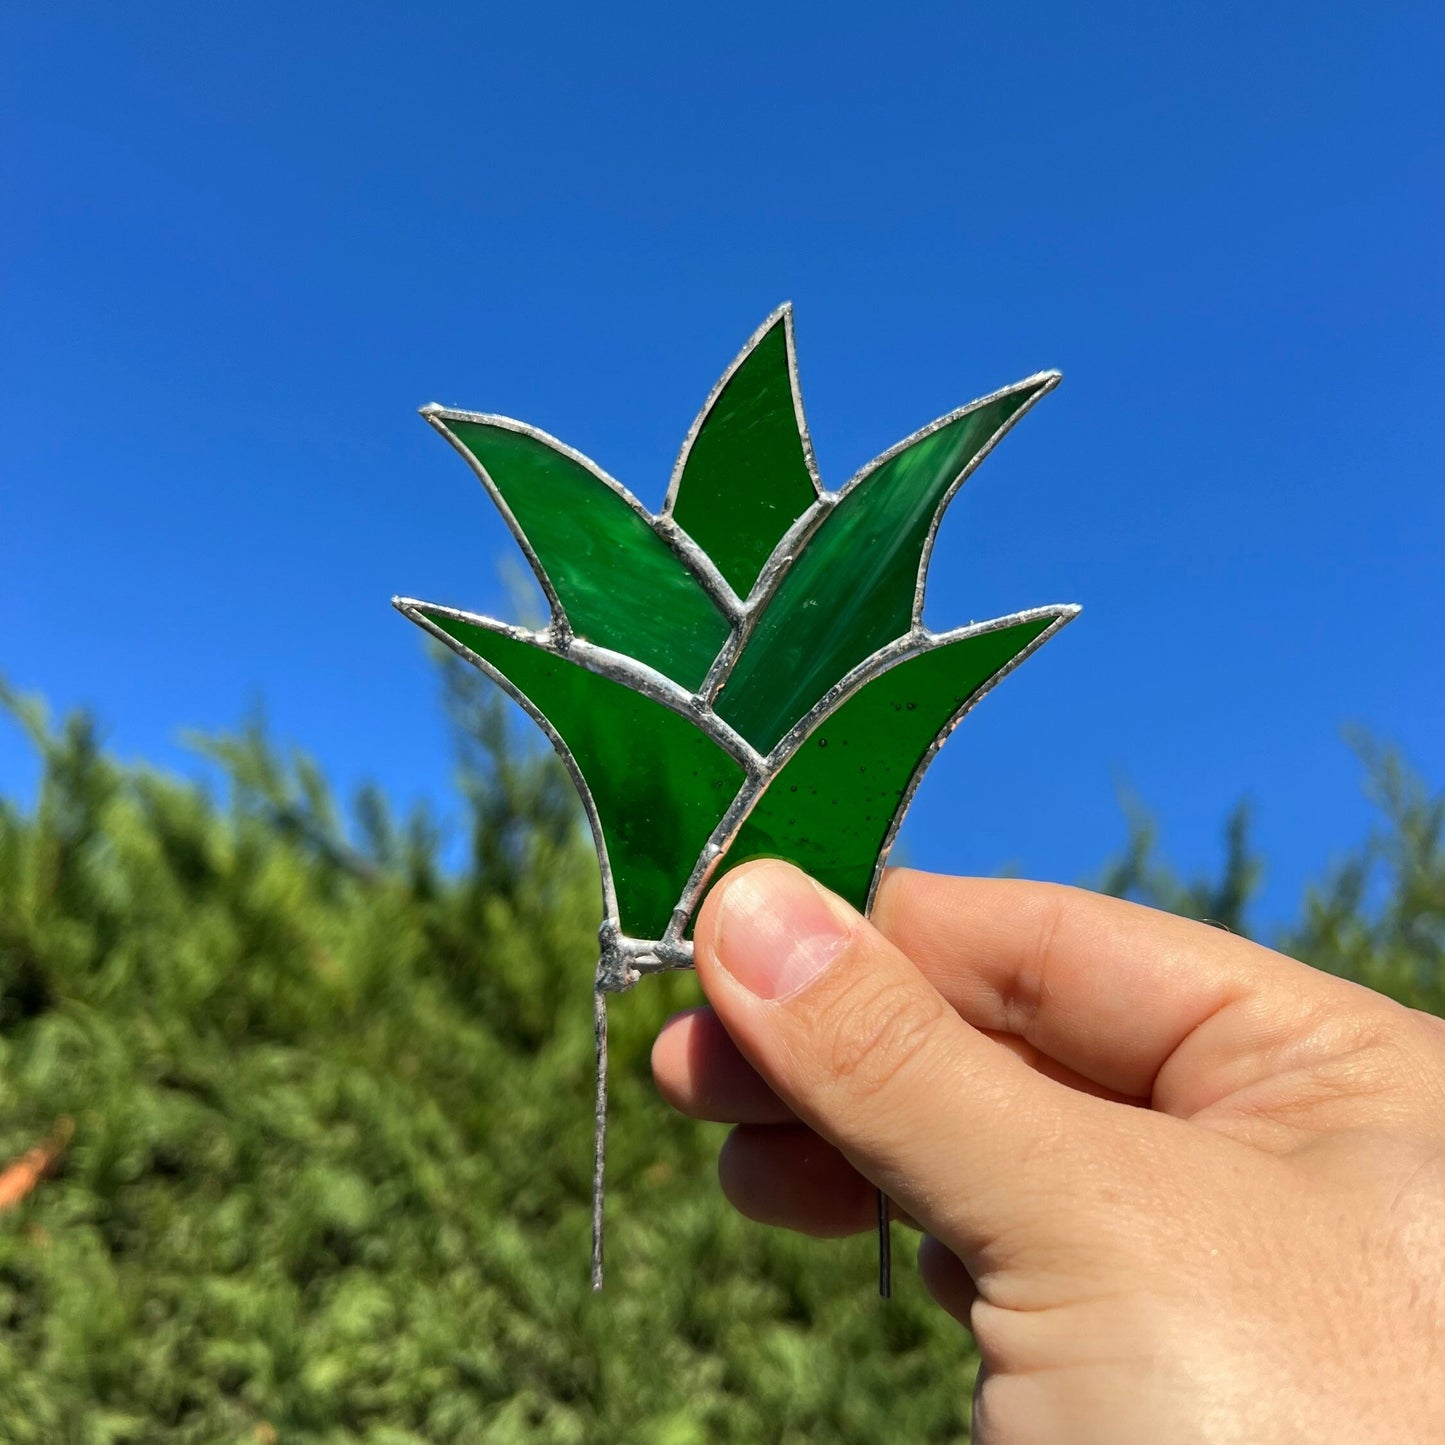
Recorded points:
(599, 1163)
(885, 1249)
(599, 1130)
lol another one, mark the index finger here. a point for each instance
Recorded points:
(1110, 989)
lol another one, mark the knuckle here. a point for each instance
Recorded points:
(876, 1034)
(1026, 989)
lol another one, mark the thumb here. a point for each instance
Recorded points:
(985, 1153)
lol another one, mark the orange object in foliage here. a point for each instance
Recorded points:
(19, 1179)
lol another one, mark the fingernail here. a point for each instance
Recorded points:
(777, 931)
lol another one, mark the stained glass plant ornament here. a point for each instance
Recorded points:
(745, 674)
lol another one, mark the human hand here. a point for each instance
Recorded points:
(1180, 1187)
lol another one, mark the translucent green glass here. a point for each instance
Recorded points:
(851, 589)
(658, 785)
(621, 586)
(831, 806)
(845, 601)
(746, 480)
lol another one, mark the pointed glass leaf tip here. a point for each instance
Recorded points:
(835, 804)
(746, 474)
(856, 584)
(653, 784)
(608, 575)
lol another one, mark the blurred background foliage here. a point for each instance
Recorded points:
(297, 1121)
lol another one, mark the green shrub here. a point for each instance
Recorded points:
(328, 1178)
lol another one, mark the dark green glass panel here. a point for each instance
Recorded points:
(832, 803)
(746, 480)
(621, 585)
(851, 590)
(658, 784)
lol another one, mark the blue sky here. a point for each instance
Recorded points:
(241, 245)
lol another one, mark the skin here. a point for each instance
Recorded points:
(1179, 1187)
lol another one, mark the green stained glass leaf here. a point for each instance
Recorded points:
(595, 551)
(856, 583)
(654, 784)
(703, 730)
(745, 474)
(834, 804)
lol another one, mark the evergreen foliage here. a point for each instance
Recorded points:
(323, 1109)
